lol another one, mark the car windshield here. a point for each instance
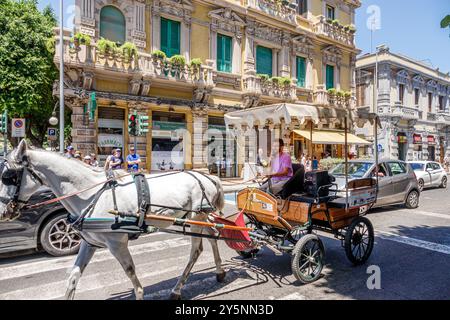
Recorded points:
(417, 166)
(355, 169)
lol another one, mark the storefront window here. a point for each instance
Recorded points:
(110, 131)
(168, 141)
(221, 149)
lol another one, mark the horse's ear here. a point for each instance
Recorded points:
(21, 150)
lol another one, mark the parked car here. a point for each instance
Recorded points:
(43, 228)
(429, 174)
(397, 183)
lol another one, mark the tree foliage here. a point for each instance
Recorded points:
(445, 22)
(27, 71)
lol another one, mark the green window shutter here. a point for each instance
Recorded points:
(224, 53)
(170, 37)
(264, 60)
(330, 77)
(112, 24)
(301, 72)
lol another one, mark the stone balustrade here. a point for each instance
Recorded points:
(323, 98)
(405, 112)
(335, 32)
(281, 9)
(148, 66)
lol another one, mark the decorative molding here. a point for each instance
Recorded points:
(264, 32)
(178, 8)
(332, 54)
(228, 21)
(303, 45)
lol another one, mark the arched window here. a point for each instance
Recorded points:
(112, 24)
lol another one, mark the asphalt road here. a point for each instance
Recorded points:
(412, 250)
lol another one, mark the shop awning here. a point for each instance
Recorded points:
(331, 137)
(275, 112)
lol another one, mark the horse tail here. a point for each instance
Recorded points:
(219, 201)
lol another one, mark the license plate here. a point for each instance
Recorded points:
(363, 209)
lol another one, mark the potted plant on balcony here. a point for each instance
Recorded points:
(129, 53)
(80, 38)
(264, 77)
(195, 65)
(332, 95)
(351, 29)
(106, 49)
(335, 23)
(177, 62)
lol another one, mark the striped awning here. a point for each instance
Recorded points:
(331, 137)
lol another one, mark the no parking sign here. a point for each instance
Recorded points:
(18, 127)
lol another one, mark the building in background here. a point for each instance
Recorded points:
(413, 106)
(220, 56)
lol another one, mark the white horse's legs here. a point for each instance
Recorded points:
(220, 273)
(84, 256)
(196, 250)
(122, 254)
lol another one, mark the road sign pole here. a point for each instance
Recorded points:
(61, 78)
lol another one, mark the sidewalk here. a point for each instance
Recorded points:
(235, 185)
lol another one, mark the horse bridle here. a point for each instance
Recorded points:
(13, 177)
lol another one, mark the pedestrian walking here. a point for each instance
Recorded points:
(446, 162)
(87, 160)
(133, 160)
(315, 163)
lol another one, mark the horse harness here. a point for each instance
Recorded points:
(13, 177)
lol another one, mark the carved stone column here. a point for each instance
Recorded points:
(84, 132)
(199, 139)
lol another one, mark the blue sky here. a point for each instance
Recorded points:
(409, 27)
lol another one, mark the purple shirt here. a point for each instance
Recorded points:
(279, 163)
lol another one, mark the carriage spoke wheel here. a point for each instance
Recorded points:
(307, 258)
(359, 240)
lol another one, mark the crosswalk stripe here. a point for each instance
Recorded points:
(426, 213)
(432, 246)
(52, 264)
(90, 282)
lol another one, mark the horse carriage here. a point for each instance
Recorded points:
(285, 222)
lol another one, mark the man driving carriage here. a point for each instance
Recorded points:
(281, 170)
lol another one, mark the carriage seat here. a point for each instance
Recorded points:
(337, 203)
(295, 184)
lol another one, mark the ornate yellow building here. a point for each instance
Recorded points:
(218, 56)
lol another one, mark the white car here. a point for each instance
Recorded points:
(429, 174)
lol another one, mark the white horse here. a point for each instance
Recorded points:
(65, 176)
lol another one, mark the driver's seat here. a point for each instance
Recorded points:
(295, 184)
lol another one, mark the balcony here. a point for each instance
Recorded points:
(335, 32)
(271, 91)
(322, 97)
(443, 118)
(285, 10)
(408, 113)
(140, 71)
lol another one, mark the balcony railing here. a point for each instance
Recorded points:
(266, 88)
(144, 64)
(285, 10)
(323, 98)
(443, 118)
(334, 31)
(406, 112)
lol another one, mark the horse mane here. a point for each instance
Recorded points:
(62, 156)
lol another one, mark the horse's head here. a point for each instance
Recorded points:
(19, 182)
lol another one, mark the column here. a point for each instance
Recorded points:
(283, 64)
(249, 61)
(237, 56)
(309, 79)
(213, 46)
(156, 26)
(84, 133)
(185, 40)
(275, 53)
(199, 146)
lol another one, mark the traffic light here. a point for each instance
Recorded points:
(143, 124)
(4, 122)
(132, 124)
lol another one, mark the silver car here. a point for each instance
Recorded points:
(429, 174)
(397, 183)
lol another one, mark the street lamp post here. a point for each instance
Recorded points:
(375, 102)
(61, 78)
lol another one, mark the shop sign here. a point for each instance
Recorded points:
(417, 139)
(168, 126)
(431, 140)
(110, 140)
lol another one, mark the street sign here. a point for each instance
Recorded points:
(17, 127)
(51, 133)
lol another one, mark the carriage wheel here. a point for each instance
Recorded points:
(307, 258)
(359, 240)
(247, 254)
